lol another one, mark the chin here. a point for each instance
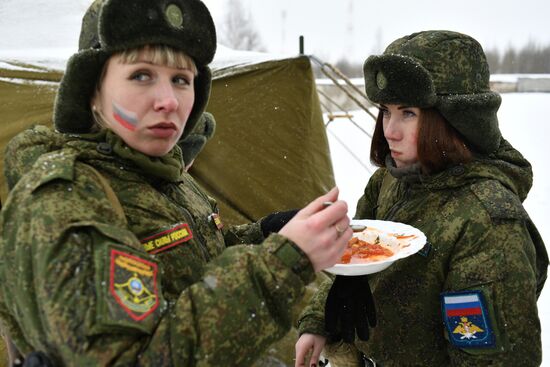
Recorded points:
(157, 151)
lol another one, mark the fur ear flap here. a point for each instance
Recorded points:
(72, 113)
(193, 144)
(475, 117)
(203, 84)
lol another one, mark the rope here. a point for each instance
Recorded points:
(347, 115)
(351, 152)
(325, 65)
(346, 79)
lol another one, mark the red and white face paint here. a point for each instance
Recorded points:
(146, 104)
(126, 118)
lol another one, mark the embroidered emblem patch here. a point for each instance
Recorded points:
(217, 220)
(133, 284)
(167, 239)
(467, 320)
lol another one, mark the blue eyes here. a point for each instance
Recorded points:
(140, 77)
(181, 80)
(144, 76)
(404, 113)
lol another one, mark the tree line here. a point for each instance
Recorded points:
(529, 59)
(239, 32)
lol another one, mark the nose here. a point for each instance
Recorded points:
(391, 132)
(165, 97)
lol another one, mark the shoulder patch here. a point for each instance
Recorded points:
(133, 284)
(467, 320)
(499, 202)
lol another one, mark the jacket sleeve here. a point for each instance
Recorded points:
(250, 233)
(84, 291)
(495, 263)
(312, 318)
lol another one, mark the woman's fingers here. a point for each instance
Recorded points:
(321, 230)
(309, 343)
(319, 203)
(301, 351)
(316, 354)
(342, 226)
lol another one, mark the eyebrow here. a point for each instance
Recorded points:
(154, 64)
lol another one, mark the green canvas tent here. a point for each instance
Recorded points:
(270, 150)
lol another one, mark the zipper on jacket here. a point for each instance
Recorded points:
(200, 238)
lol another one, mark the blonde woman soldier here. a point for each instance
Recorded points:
(111, 254)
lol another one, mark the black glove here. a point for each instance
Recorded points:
(349, 309)
(37, 359)
(275, 221)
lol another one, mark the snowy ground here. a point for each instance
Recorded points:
(523, 122)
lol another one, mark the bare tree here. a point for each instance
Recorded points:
(238, 30)
(493, 59)
(509, 61)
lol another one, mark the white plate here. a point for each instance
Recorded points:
(401, 249)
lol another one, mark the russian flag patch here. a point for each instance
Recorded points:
(467, 320)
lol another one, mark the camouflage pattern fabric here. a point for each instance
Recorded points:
(153, 284)
(480, 240)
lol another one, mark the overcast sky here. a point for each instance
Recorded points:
(360, 27)
(332, 29)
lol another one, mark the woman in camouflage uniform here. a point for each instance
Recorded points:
(469, 298)
(111, 253)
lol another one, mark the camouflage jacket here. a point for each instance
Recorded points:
(104, 265)
(483, 251)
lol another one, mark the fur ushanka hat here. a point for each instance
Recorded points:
(444, 70)
(111, 26)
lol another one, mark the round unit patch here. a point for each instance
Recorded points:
(381, 80)
(174, 16)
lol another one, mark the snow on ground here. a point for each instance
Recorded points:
(523, 122)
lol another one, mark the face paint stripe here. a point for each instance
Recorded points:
(123, 122)
(124, 118)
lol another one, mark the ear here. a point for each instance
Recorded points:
(95, 102)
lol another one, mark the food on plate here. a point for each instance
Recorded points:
(372, 244)
(364, 251)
